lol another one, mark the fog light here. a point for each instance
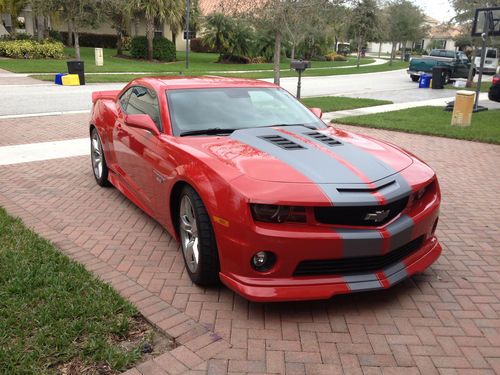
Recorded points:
(263, 261)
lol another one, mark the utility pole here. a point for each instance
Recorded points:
(488, 22)
(188, 8)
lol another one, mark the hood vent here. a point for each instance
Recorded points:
(282, 142)
(323, 138)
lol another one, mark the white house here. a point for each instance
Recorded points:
(440, 35)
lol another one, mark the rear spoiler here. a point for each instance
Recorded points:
(109, 95)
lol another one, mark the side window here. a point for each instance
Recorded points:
(144, 101)
(124, 99)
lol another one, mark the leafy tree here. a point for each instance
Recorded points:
(160, 10)
(118, 15)
(363, 23)
(404, 23)
(80, 14)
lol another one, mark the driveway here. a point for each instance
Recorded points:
(445, 321)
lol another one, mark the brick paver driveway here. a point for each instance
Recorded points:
(444, 321)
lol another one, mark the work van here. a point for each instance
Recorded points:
(490, 62)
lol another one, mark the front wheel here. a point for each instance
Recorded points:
(414, 78)
(99, 166)
(199, 247)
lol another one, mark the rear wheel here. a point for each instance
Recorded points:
(414, 78)
(99, 166)
(198, 243)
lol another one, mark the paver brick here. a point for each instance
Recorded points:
(445, 320)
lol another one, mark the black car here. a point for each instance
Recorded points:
(494, 93)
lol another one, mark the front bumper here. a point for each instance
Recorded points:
(317, 243)
(295, 289)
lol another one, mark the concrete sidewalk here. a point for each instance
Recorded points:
(327, 117)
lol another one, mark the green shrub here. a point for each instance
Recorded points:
(30, 49)
(163, 49)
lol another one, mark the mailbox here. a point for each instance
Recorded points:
(300, 65)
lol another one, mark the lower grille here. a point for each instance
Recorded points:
(345, 266)
(359, 215)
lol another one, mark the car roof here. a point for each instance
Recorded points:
(184, 82)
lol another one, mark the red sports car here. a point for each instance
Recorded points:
(261, 194)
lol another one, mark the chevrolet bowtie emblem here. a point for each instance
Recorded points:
(377, 216)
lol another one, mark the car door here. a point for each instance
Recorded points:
(135, 149)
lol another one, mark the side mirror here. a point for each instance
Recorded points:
(142, 122)
(317, 112)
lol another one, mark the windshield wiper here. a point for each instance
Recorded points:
(209, 131)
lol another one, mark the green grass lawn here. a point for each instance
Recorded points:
(199, 62)
(485, 87)
(485, 126)
(54, 314)
(340, 103)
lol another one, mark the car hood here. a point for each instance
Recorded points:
(297, 154)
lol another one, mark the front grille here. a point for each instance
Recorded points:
(346, 266)
(282, 142)
(360, 215)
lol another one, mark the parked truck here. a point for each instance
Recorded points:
(456, 61)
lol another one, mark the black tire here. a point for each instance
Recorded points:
(414, 78)
(102, 179)
(207, 271)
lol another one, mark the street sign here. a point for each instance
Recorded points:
(479, 22)
(192, 34)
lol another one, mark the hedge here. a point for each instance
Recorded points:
(163, 49)
(93, 40)
(31, 49)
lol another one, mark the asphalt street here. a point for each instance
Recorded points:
(46, 97)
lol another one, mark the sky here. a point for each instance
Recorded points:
(438, 9)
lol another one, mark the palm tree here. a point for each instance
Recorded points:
(161, 10)
(218, 28)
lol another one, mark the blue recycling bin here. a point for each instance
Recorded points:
(425, 81)
(58, 79)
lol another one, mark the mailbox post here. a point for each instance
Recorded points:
(299, 66)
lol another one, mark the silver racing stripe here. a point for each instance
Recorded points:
(311, 162)
(370, 166)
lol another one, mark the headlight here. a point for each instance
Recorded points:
(271, 213)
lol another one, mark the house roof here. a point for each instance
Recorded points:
(227, 6)
(444, 31)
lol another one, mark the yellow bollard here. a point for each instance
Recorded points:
(462, 110)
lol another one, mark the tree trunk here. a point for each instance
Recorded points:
(470, 77)
(292, 54)
(69, 41)
(277, 56)
(174, 38)
(379, 49)
(150, 33)
(77, 44)
(393, 48)
(403, 50)
(119, 41)
(359, 53)
(136, 26)
(40, 26)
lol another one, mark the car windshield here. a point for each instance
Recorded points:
(226, 109)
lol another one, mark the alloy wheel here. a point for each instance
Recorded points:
(189, 234)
